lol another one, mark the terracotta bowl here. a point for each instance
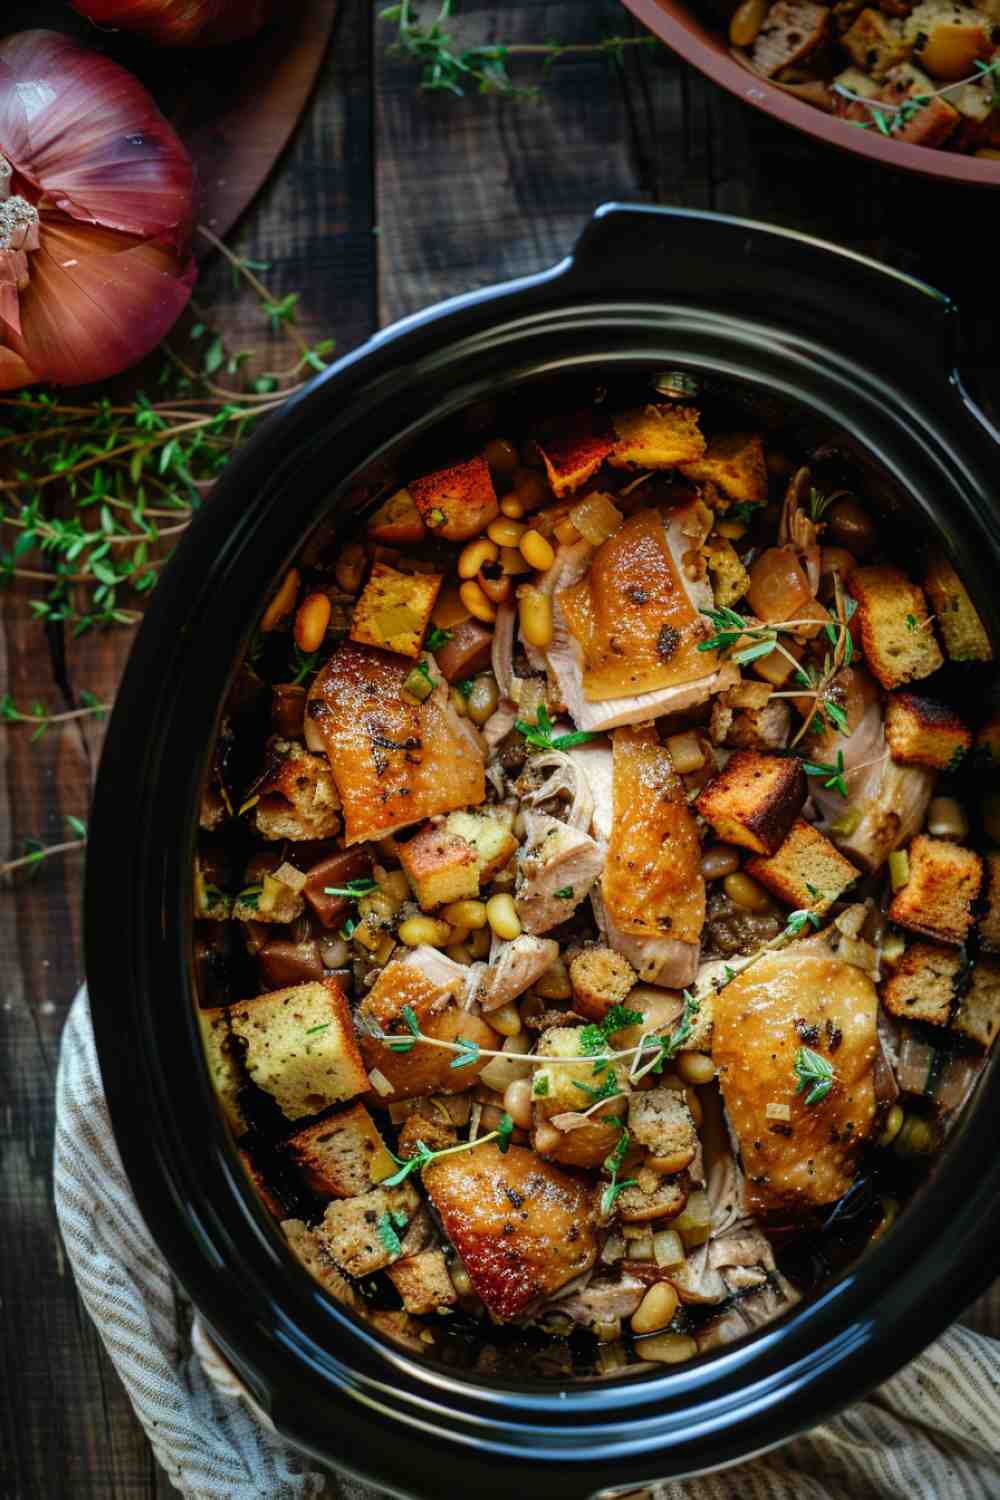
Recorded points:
(678, 24)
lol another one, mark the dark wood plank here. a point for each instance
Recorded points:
(69, 1428)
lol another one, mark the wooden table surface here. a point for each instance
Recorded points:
(385, 201)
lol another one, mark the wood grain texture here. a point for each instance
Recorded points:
(385, 201)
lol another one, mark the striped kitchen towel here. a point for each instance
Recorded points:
(930, 1433)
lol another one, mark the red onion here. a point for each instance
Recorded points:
(180, 23)
(96, 213)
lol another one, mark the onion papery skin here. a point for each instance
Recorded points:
(181, 23)
(115, 193)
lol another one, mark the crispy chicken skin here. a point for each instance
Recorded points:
(633, 616)
(395, 762)
(781, 1003)
(652, 890)
(523, 1227)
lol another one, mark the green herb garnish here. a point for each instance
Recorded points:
(595, 1037)
(613, 1165)
(437, 638)
(833, 775)
(540, 1087)
(798, 920)
(814, 1073)
(424, 1155)
(250, 895)
(469, 1053)
(387, 1234)
(353, 890)
(540, 734)
(566, 894)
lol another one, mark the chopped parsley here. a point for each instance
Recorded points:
(540, 1087)
(250, 895)
(566, 894)
(797, 921)
(813, 1073)
(465, 687)
(437, 638)
(606, 1089)
(594, 1038)
(387, 1233)
(323, 1026)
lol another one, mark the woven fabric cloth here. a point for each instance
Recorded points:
(930, 1433)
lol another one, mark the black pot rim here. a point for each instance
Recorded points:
(303, 1357)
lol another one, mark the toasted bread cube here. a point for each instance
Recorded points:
(362, 1234)
(962, 630)
(988, 741)
(755, 800)
(932, 124)
(430, 1129)
(924, 732)
(923, 984)
(657, 437)
(978, 1015)
(394, 610)
(423, 1282)
(730, 579)
(300, 800)
(858, 82)
(275, 897)
(898, 641)
(343, 1155)
(439, 866)
(735, 462)
(653, 1198)
(876, 43)
(807, 871)
(948, 39)
(573, 454)
(660, 1120)
(261, 1186)
(938, 898)
(490, 832)
(397, 523)
(223, 1065)
(308, 1248)
(459, 502)
(560, 1089)
(989, 922)
(432, 986)
(600, 978)
(300, 1047)
(792, 29)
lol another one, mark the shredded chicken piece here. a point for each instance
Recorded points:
(557, 868)
(566, 777)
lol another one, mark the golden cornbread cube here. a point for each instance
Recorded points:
(755, 800)
(397, 523)
(440, 866)
(876, 43)
(300, 1047)
(561, 1088)
(896, 633)
(735, 462)
(300, 800)
(362, 1233)
(656, 437)
(989, 921)
(923, 732)
(573, 454)
(423, 1282)
(342, 1155)
(394, 610)
(792, 29)
(962, 630)
(939, 896)
(807, 871)
(490, 832)
(978, 1015)
(730, 579)
(459, 502)
(653, 1198)
(223, 1065)
(600, 978)
(922, 986)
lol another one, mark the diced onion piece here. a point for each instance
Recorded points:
(893, 948)
(379, 1082)
(899, 868)
(596, 518)
(686, 752)
(778, 1112)
(859, 953)
(847, 823)
(288, 875)
(614, 1249)
(641, 1249)
(779, 588)
(668, 1249)
(418, 684)
(694, 1224)
(531, 699)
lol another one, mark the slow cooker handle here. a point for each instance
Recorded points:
(868, 310)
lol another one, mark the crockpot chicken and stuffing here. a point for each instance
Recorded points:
(598, 896)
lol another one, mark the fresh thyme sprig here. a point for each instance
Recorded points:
(814, 1073)
(447, 69)
(423, 1155)
(353, 890)
(37, 715)
(36, 851)
(613, 1165)
(833, 776)
(540, 734)
(887, 117)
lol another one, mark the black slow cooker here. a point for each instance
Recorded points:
(853, 347)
